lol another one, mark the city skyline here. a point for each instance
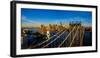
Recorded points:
(35, 17)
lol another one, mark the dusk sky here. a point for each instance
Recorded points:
(44, 16)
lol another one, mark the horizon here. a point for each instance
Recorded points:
(36, 17)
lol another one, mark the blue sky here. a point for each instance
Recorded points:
(44, 16)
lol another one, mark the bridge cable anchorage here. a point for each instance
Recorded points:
(53, 40)
(74, 37)
(46, 40)
(66, 37)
